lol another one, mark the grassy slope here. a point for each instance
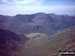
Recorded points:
(49, 44)
(34, 35)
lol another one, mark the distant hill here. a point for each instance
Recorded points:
(11, 43)
(39, 22)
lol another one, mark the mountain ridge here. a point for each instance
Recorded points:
(39, 22)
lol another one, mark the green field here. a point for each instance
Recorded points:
(34, 34)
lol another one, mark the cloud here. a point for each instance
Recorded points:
(13, 10)
(22, 2)
(13, 7)
(3, 1)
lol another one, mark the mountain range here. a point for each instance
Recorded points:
(37, 34)
(39, 22)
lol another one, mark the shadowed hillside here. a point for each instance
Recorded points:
(11, 43)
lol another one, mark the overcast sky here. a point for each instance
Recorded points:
(13, 7)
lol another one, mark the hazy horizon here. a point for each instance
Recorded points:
(14, 7)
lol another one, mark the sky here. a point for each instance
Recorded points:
(14, 7)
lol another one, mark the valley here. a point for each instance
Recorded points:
(37, 34)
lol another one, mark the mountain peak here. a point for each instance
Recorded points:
(40, 13)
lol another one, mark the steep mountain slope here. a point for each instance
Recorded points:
(49, 45)
(39, 22)
(11, 43)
